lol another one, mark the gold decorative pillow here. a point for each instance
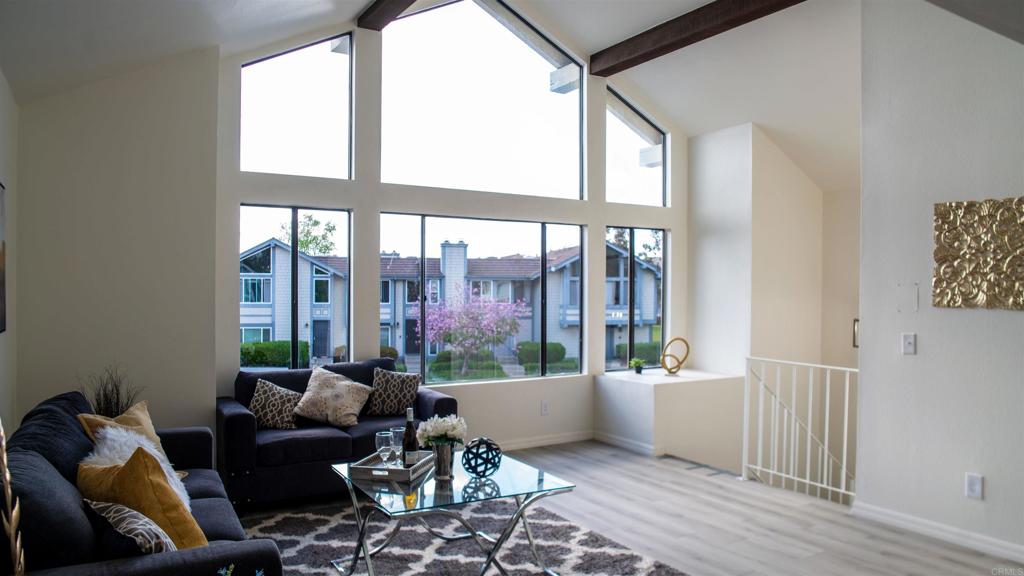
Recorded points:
(135, 419)
(332, 398)
(140, 484)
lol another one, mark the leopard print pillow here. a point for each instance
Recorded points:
(274, 406)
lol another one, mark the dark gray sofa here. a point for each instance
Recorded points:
(265, 465)
(62, 536)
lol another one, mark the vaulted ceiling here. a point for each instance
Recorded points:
(796, 73)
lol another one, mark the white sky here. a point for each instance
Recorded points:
(465, 105)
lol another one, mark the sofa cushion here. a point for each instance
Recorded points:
(274, 406)
(71, 403)
(313, 444)
(217, 518)
(143, 532)
(362, 372)
(55, 528)
(364, 433)
(204, 483)
(55, 434)
(393, 392)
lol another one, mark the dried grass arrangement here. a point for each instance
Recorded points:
(11, 511)
(110, 392)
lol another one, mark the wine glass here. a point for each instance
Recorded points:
(397, 441)
(384, 440)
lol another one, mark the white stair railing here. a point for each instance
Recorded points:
(790, 412)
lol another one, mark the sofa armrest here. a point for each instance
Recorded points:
(433, 403)
(236, 438)
(190, 447)
(249, 558)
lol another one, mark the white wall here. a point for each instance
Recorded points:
(721, 237)
(786, 263)
(840, 276)
(755, 249)
(116, 221)
(8, 176)
(508, 411)
(943, 119)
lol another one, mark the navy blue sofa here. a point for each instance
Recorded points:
(262, 465)
(62, 536)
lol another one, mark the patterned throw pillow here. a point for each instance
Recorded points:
(332, 398)
(150, 538)
(274, 406)
(393, 392)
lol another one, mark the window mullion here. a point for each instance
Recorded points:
(543, 299)
(631, 296)
(295, 288)
(423, 301)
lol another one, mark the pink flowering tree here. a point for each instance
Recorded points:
(469, 327)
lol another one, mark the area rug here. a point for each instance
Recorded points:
(312, 535)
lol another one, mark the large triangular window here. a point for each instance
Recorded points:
(475, 98)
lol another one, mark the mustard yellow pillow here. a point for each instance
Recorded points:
(140, 484)
(135, 419)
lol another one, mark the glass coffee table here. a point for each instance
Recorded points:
(427, 496)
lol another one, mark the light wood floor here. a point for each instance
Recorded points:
(710, 525)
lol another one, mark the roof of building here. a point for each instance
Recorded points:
(514, 267)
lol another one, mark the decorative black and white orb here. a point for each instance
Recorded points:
(481, 457)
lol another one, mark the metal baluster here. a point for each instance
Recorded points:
(846, 428)
(827, 461)
(810, 426)
(760, 417)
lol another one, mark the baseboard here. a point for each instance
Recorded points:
(973, 540)
(547, 440)
(623, 442)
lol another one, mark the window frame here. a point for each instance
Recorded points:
(351, 111)
(385, 291)
(425, 348)
(295, 254)
(327, 279)
(269, 331)
(266, 282)
(581, 121)
(632, 288)
(664, 148)
(419, 292)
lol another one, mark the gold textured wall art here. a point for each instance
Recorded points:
(677, 363)
(979, 254)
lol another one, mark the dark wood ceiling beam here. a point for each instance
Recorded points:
(704, 22)
(382, 12)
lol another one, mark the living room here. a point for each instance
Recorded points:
(451, 173)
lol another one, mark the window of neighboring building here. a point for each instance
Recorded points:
(295, 111)
(256, 290)
(313, 328)
(385, 291)
(258, 334)
(412, 291)
(483, 329)
(499, 94)
(634, 305)
(634, 156)
(385, 335)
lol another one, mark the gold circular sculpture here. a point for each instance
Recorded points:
(677, 362)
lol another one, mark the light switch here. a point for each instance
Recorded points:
(908, 343)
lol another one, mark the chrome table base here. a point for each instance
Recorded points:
(347, 566)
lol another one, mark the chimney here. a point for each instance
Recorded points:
(454, 267)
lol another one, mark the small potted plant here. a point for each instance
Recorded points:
(441, 434)
(637, 364)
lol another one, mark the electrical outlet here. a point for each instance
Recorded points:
(908, 343)
(545, 408)
(974, 486)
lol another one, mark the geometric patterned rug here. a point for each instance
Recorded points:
(311, 535)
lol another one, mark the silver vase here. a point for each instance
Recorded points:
(443, 461)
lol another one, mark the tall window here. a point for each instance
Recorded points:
(296, 113)
(295, 292)
(482, 316)
(634, 303)
(634, 156)
(475, 98)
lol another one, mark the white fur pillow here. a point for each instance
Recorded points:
(116, 445)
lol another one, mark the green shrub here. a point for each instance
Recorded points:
(649, 352)
(482, 370)
(567, 366)
(277, 353)
(400, 367)
(529, 352)
(388, 352)
(481, 356)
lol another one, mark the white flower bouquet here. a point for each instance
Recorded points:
(438, 430)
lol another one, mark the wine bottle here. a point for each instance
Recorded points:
(410, 448)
